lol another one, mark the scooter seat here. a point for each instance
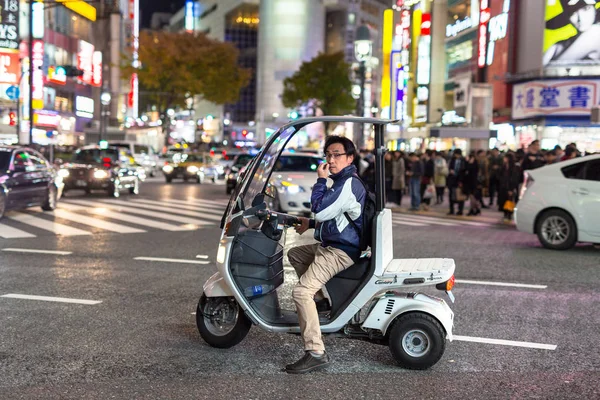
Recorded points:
(356, 271)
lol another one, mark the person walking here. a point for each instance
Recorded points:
(483, 177)
(398, 172)
(454, 181)
(439, 176)
(470, 183)
(428, 172)
(509, 178)
(415, 173)
(495, 165)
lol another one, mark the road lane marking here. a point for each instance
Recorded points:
(8, 232)
(184, 204)
(51, 226)
(502, 342)
(447, 220)
(422, 221)
(521, 285)
(55, 299)
(407, 223)
(222, 203)
(56, 252)
(169, 209)
(105, 210)
(202, 256)
(96, 222)
(171, 260)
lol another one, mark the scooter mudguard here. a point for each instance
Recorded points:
(389, 307)
(215, 286)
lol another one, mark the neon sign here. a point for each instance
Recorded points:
(498, 29)
(38, 75)
(483, 27)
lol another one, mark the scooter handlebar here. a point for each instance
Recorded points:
(283, 219)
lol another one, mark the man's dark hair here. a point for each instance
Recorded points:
(480, 152)
(412, 154)
(550, 153)
(429, 152)
(458, 151)
(569, 151)
(535, 142)
(557, 147)
(349, 148)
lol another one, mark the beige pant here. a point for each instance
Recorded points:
(315, 265)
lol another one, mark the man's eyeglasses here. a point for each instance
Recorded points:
(329, 156)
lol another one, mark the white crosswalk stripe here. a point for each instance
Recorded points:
(44, 224)
(8, 232)
(166, 209)
(423, 220)
(95, 222)
(107, 211)
(184, 205)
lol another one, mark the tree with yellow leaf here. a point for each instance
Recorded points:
(176, 65)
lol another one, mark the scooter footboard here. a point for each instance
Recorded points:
(391, 306)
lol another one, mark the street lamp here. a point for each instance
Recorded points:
(363, 49)
(105, 99)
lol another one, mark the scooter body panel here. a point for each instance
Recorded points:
(215, 286)
(389, 307)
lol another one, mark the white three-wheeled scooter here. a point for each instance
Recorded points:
(374, 300)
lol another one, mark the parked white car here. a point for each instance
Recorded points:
(143, 154)
(561, 203)
(294, 176)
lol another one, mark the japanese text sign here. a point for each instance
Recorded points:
(555, 97)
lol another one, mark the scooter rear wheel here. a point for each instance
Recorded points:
(221, 322)
(417, 341)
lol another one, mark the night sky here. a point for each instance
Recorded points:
(147, 7)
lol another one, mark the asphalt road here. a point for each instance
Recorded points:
(136, 338)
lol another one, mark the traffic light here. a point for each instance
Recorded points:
(13, 118)
(294, 114)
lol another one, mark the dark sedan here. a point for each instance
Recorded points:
(108, 169)
(239, 163)
(27, 179)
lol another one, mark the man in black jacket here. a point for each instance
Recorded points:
(455, 179)
(533, 159)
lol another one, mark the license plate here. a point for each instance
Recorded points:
(450, 295)
(80, 183)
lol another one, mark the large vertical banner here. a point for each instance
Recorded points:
(571, 34)
(10, 70)
(134, 24)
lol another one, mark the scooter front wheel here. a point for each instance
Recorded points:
(417, 341)
(221, 322)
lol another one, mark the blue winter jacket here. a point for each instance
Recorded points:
(346, 195)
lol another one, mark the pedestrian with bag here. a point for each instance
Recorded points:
(439, 176)
(510, 175)
(398, 174)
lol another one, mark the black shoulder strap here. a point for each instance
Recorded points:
(352, 223)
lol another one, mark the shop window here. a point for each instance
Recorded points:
(575, 171)
(593, 171)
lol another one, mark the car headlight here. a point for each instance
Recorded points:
(231, 177)
(167, 169)
(63, 173)
(100, 174)
(192, 169)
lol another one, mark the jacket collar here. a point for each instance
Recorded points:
(348, 171)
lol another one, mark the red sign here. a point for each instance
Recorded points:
(133, 88)
(85, 57)
(425, 24)
(97, 69)
(484, 18)
(10, 70)
(38, 75)
(405, 22)
(57, 75)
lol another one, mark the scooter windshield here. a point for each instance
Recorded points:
(266, 162)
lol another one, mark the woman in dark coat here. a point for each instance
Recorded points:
(471, 182)
(509, 177)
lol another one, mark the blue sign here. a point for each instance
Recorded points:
(50, 134)
(12, 92)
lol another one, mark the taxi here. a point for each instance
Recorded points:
(188, 166)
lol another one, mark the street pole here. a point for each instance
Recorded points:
(361, 105)
(31, 72)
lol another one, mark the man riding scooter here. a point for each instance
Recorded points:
(339, 249)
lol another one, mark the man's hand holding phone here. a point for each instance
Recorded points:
(323, 170)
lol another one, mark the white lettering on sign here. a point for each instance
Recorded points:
(47, 119)
(498, 29)
(38, 74)
(5, 74)
(84, 107)
(85, 60)
(459, 26)
(97, 69)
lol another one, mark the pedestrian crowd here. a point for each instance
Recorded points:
(484, 179)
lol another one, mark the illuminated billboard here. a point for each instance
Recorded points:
(572, 28)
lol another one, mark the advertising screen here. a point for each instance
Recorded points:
(572, 29)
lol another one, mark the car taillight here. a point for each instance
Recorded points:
(447, 286)
(106, 161)
(527, 182)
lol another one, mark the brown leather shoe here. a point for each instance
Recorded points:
(308, 363)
